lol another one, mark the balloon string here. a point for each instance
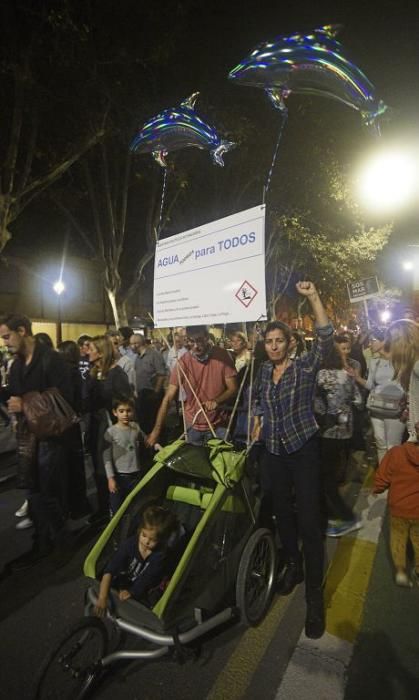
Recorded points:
(269, 178)
(163, 197)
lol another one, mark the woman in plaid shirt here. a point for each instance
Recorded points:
(285, 422)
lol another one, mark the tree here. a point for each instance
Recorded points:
(320, 232)
(37, 41)
(120, 201)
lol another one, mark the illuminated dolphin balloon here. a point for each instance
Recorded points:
(178, 128)
(309, 64)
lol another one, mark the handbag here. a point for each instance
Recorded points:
(387, 403)
(47, 413)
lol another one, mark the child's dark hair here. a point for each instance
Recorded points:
(161, 519)
(123, 401)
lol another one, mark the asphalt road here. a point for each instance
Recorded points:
(268, 662)
(38, 604)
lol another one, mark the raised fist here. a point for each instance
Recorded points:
(307, 289)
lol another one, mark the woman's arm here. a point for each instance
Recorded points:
(308, 290)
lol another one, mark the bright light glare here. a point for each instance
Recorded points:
(58, 287)
(388, 181)
(408, 265)
(385, 316)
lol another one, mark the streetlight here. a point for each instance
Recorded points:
(59, 288)
(389, 180)
(385, 316)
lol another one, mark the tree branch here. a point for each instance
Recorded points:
(82, 233)
(42, 182)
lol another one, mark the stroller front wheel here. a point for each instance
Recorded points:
(70, 670)
(256, 577)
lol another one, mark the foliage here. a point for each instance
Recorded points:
(321, 234)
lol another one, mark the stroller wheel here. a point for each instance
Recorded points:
(71, 669)
(256, 577)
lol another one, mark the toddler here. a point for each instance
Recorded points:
(140, 562)
(399, 472)
(121, 453)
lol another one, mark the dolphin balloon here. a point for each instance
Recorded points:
(309, 64)
(178, 128)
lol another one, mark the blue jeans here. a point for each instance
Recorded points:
(297, 473)
(200, 437)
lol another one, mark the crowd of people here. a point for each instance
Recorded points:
(307, 408)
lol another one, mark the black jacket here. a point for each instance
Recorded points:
(47, 369)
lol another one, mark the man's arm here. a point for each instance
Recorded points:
(170, 395)
(159, 381)
(229, 392)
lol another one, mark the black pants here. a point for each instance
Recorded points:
(282, 477)
(125, 483)
(147, 407)
(333, 452)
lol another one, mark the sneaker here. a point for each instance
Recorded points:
(338, 528)
(23, 510)
(402, 579)
(24, 524)
(291, 576)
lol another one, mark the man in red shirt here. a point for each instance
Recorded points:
(210, 372)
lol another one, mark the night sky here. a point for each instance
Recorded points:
(380, 37)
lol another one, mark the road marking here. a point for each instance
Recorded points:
(318, 668)
(346, 587)
(235, 677)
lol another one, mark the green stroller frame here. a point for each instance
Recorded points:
(224, 570)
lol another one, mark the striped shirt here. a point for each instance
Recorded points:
(287, 407)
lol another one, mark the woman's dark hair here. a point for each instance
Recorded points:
(70, 352)
(125, 332)
(333, 359)
(301, 345)
(44, 339)
(278, 326)
(343, 339)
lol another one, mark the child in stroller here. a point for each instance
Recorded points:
(139, 563)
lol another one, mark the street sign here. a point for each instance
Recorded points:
(212, 274)
(363, 289)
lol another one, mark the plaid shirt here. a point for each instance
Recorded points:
(287, 407)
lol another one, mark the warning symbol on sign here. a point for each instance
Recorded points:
(246, 293)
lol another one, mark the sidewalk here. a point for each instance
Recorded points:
(371, 647)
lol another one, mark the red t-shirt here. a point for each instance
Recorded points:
(208, 380)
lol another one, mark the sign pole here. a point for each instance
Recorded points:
(366, 313)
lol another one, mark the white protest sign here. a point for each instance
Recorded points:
(213, 273)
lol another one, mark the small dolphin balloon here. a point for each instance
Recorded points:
(178, 128)
(309, 64)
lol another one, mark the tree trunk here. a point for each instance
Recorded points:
(119, 309)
